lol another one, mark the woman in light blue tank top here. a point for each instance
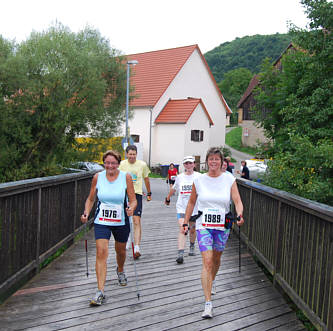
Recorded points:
(113, 188)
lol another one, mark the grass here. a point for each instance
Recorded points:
(234, 140)
(53, 257)
(63, 248)
(154, 175)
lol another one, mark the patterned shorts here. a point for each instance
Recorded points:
(212, 239)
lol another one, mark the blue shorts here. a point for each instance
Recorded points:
(120, 233)
(138, 209)
(181, 215)
(212, 239)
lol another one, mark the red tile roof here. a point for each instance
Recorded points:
(179, 111)
(155, 72)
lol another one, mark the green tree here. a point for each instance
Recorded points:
(295, 107)
(58, 85)
(233, 86)
(246, 52)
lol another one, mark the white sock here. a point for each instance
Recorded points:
(136, 248)
(208, 303)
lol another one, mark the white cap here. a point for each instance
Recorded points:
(189, 158)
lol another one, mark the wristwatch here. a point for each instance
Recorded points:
(149, 194)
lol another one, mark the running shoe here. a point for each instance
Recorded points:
(214, 291)
(192, 252)
(208, 312)
(180, 259)
(122, 280)
(98, 299)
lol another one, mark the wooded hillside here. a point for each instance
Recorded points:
(247, 52)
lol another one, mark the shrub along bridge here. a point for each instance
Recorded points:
(292, 237)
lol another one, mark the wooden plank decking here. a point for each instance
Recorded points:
(170, 295)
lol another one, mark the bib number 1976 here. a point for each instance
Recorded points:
(110, 213)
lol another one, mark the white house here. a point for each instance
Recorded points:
(176, 105)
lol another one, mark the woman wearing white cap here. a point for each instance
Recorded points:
(183, 185)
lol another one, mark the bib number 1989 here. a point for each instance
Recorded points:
(213, 218)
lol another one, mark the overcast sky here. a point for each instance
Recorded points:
(134, 26)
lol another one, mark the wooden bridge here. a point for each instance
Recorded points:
(171, 296)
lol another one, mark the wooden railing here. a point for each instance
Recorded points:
(293, 238)
(37, 217)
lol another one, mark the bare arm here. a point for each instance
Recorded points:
(190, 206)
(238, 202)
(147, 183)
(131, 195)
(90, 200)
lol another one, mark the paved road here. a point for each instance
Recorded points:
(159, 189)
(237, 155)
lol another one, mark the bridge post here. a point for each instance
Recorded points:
(38, 228)
(277, 248)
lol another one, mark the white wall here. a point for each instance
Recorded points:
(139, 124)
(198, 121)
(168, 144)
(193, 80)
(173, 141)
(252, 134)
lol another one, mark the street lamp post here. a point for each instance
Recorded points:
(129, 63)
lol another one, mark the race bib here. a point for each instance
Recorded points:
(186, 189)
(213, 218)
(173, 177)
(110, 214)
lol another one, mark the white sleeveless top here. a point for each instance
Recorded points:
(183, 186)
(214, 195)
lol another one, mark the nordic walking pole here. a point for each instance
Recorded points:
(132, 240)
(86, 245)
(239, 247)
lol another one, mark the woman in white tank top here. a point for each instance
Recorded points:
(183, 185)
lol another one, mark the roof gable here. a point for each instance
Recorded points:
(255, 79)
(253, 83)
(179, 111)
(156, 70)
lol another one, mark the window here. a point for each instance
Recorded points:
(135, 137)
(197, 135)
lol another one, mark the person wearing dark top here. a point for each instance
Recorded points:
(231, 166)
(245, 171)
(228, 166)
